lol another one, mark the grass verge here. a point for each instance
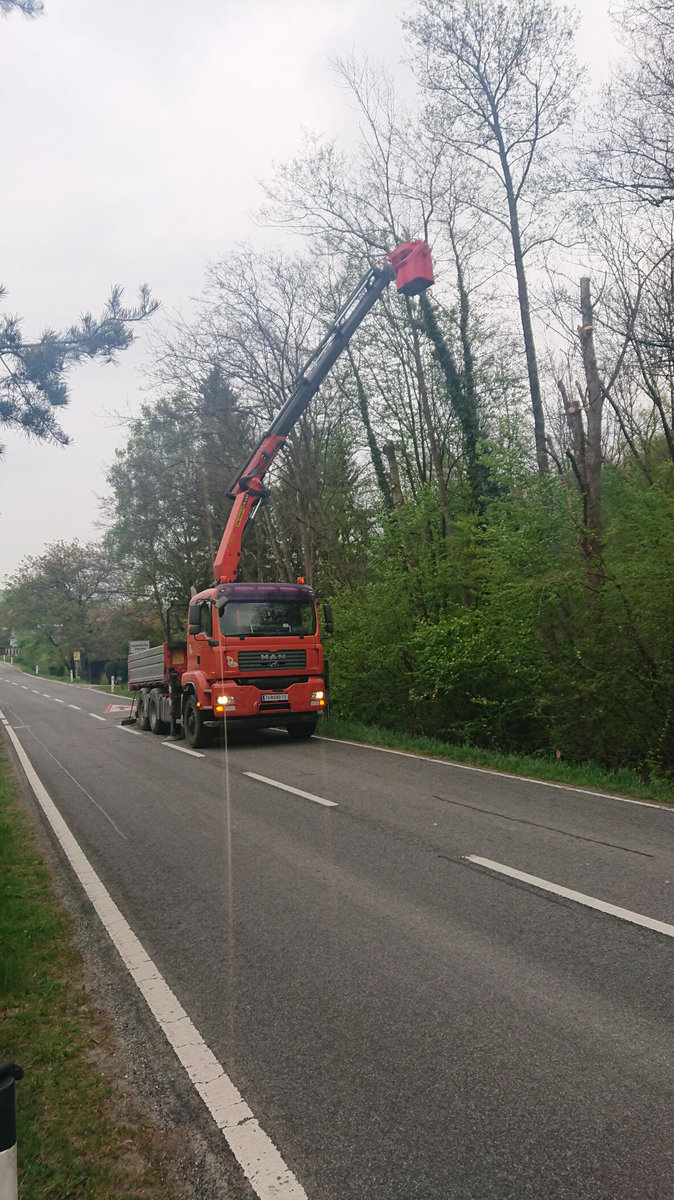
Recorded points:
(552, 770)
(79, 1137)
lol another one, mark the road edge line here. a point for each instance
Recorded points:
(451, 762)
(261, 1162)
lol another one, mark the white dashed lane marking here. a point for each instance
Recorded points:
(579, 897)
(285, 787)
(182, 749)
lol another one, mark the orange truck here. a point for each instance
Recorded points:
(253, 654)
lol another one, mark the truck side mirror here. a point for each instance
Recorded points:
(193, 630)
(194, 617)
(328, 622)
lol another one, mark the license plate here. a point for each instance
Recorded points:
(272, 696)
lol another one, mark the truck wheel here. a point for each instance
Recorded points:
(304, 729)
(196, 732)
(154, 720)
(142, 715)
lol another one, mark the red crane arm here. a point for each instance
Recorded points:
(410, 265)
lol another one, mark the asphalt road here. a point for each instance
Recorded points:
(405, 1023)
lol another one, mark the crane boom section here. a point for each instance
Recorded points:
(410, 266)
(322, 360)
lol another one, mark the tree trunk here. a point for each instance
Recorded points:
(524, 305)
(436, 457)
(587, 458)
(595, 406)
(375, 452)
(393, 475)
(462, 400)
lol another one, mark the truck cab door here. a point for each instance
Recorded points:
(202, 646)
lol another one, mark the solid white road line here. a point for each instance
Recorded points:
(183, 749)
(285, 787)
(579, 897)
(257, 1155)
(448, 762)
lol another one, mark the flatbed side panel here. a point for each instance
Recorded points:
(147, 666)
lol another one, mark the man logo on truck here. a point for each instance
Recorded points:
(273, 660)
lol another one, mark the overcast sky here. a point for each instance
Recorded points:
(134, 136)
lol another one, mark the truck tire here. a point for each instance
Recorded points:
(154, 720)
(304, 729)
(196, 732)
(142, 715)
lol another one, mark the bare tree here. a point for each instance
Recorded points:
(635, 152)
(260, 317)
(636, 252)
(503, 81)
(401, 182)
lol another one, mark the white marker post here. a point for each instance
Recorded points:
(9, 1072)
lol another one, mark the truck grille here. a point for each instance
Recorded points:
(280, 683)
(272, 660)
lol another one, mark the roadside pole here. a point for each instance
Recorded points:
(9, 1073)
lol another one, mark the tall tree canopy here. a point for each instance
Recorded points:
(502, 79)
(60, 602)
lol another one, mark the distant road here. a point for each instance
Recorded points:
(422, 981)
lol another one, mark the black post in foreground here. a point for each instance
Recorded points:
(9, 1072)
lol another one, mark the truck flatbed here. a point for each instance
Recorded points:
(150, 666)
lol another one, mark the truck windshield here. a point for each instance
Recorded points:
(253, 618)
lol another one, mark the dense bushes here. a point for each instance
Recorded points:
(533, 660)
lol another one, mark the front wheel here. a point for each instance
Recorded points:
(303, 729)
(197, 732)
